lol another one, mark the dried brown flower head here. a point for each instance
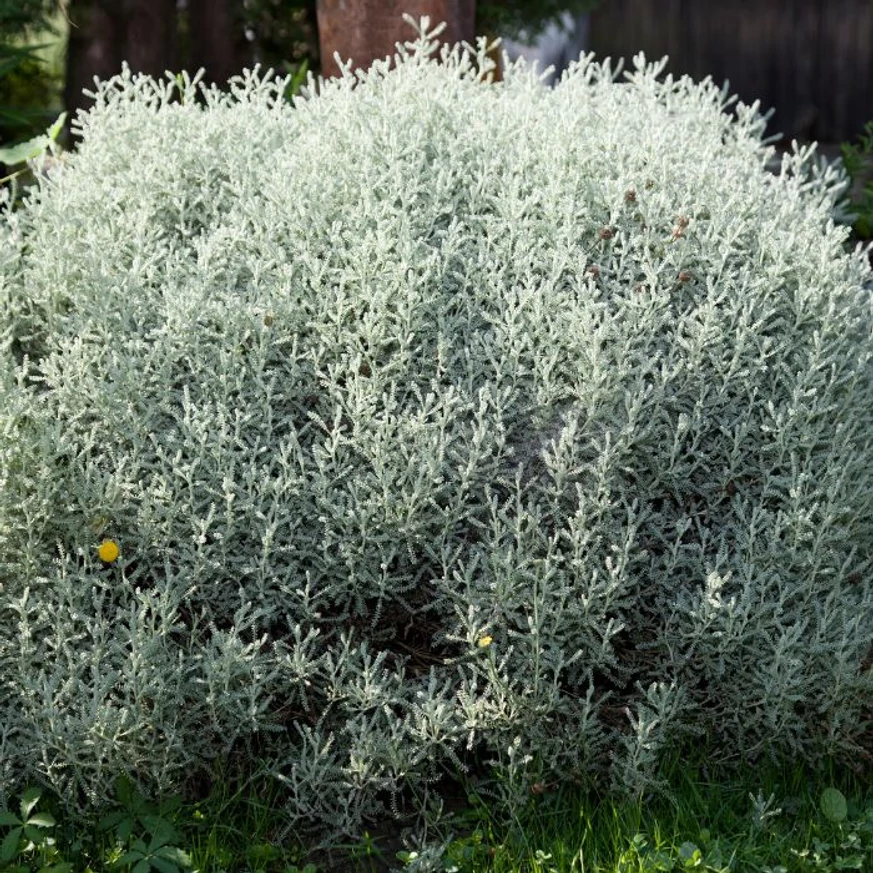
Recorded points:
(681, 225)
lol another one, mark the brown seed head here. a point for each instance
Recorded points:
(685, 276)
(606, 232)
(630, 196)
(681, 224)
(594, 270)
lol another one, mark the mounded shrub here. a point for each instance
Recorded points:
(438, 423)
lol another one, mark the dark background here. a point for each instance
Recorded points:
(810, 60)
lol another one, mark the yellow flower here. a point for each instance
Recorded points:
(108, 551)
(485, 641)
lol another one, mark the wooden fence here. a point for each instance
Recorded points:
(810, 60)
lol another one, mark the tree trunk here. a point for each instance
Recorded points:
(151, 44)
(367, 30)
(217, 39)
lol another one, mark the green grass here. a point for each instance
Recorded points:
(766, 823)
(771, 821)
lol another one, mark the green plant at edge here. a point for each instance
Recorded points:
(29, 838)
(12, 57)
(32, 148)
(134, 852)
(298, 76)
(856, 159)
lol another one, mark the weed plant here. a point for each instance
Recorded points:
(774, 821)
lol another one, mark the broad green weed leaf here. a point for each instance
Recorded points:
(24, 151)
(833, 805)
(135, 854)
(162, 832)
(42, 820)
(9, 846)
(176, 855)
(163, 865)
(29, 800)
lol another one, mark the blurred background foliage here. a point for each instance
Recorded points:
(283, 33)
(51, 49)
(31, 66)
(524, 20)
(24, 17)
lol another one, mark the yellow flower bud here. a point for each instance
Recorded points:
(108, 551)
(485, 641)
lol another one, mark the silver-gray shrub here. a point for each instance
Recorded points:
(360, 383)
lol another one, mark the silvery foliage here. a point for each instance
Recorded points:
(361, 382)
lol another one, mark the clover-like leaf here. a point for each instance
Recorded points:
(833, 805)
(8, 819)
(29, 800)
(162, 865)
(162, 832)
(176, 855)
(42, 820)
(9, 846)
